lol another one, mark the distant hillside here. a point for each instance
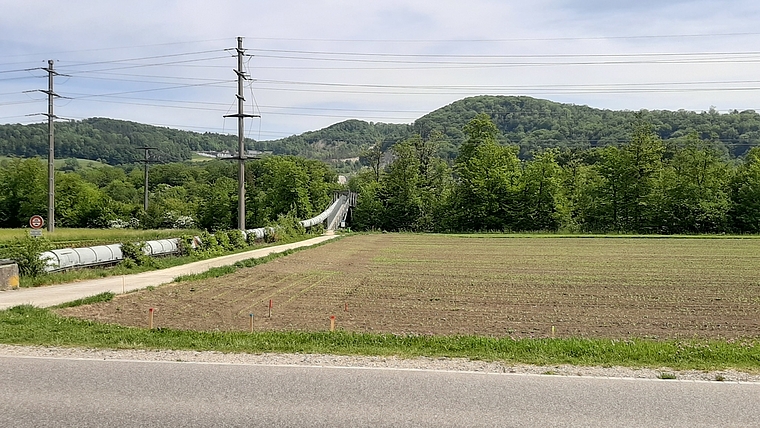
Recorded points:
(108, 140)
(533, 124)
(530, 123)
(340, 141)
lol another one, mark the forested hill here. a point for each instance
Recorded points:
(111, 141)
(340, 141)
(533, 124)
(530, 123)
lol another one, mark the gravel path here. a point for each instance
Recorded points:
(420, 363)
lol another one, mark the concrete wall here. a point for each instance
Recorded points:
(8, 275)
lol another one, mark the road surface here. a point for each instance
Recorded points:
(96, 393)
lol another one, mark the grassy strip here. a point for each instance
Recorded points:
(26, 325)
(102, 297)
(226, 270)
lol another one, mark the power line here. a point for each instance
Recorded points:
(155, 64)
(58, 53)
(513, 56)
(149, 76)
(526, 39)
(684, 61)
(145, 90)
(116, 61)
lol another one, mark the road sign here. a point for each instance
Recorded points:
(35, 233)
(36, 222)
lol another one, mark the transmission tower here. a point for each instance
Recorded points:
(51, 147)
(241, 158)
(51, 141)
(146, 161)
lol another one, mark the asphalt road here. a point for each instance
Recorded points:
(61, 293)
(38, 392)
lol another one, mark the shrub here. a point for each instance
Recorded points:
(208, 241)
(236, 239)
(185, 245)
(286, 227)
(271, 235)
(133, 254)
(223, 239)
(26, 252)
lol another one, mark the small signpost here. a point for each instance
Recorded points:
(36, 222)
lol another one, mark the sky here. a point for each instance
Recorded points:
(315, 63)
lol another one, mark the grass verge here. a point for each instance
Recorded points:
(226, 270)
(27, 325)
(102, 297)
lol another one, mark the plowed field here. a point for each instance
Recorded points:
(493, 286)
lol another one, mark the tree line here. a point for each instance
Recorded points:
(181, 194)
(643, 185)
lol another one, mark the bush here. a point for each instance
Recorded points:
(185, 245)
(236, 239)
(26, 252)
(271, 235)
(289, 226)
(209, 243)
(223, 239)
(133, 254)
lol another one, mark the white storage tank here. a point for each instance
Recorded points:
(161, 247)
(62, 259)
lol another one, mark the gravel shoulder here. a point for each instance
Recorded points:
(420, 363)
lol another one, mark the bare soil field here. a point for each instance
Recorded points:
(600, 287)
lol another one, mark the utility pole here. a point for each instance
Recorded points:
(51, 142)
(241, 143)
(146, 161)
(51, 148)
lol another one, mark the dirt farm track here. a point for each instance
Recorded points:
(493, 285)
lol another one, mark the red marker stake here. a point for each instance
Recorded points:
(346, 308)
(150, 318)
(332, 322)
(270, 308)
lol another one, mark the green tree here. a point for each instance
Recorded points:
(644, 155)
(400, 191)
(218, 209)
(541, 197)
(286, 184)
(486, 194)
(373, 158)
(745, 194)
(23, 191)
(622, 198)
(369, 212)
(79, 203)
(692, 192)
